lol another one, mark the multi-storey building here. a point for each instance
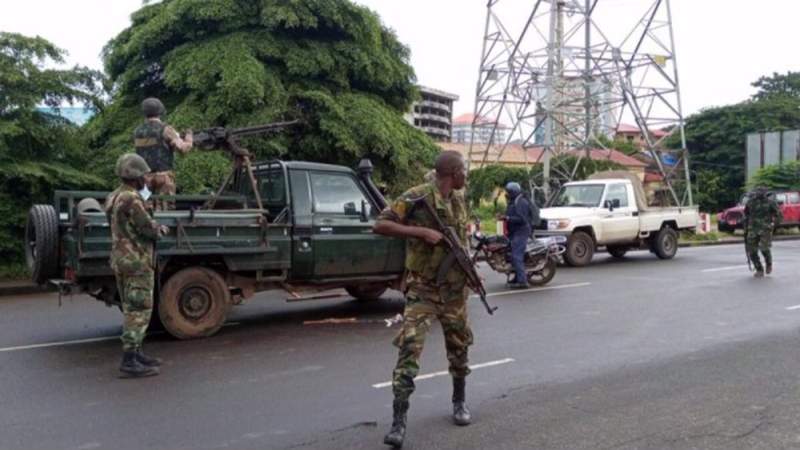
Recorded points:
(462, 130)
(433, 113)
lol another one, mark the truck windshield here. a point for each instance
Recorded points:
(583, 195)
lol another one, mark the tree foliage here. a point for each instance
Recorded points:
(38, 151)
(716, 141)
(484, 182)
(778, 85)
(329, 63)
(779, 177)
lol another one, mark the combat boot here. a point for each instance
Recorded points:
(147, 360)
(398, 431)
(461, 415)
(759, 273)
(132, 368)
(769, 269)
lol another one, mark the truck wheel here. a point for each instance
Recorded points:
(617, 252)
(580, 249)
(543, 276)
(194, 303)
(666, 243)
(366, 292)
(724, 228)
(41, 243)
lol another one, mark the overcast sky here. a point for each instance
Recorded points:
(722, 45)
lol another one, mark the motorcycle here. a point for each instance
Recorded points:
(541, 256)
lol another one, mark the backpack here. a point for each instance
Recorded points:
(533, 210)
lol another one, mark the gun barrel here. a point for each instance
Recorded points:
(260, 129)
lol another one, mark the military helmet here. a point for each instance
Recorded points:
(131, 166)
(152, 107)
(513, 188)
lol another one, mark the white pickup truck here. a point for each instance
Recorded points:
(610, 209)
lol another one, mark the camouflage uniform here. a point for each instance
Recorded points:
(157, 142)
(762, 214)
(133, 232)
(425, 301)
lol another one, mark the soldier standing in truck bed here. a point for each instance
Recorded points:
(157, 143)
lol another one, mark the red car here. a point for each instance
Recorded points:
(731, 219)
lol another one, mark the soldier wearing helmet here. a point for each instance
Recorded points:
(157, 143)
(761, 214)
(133, 233)
(520, 215)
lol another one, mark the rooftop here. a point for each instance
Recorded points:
(517, 155)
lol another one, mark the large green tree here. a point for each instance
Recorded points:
(716, 138)
(330, 63)
(38, 151)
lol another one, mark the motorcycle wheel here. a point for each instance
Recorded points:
(544, 276)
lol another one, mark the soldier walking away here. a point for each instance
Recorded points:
(157, 143)
(426, 300)
(133, 234)
(520, 216)
(762, 214)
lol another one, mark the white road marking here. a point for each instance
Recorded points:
(549, 288)
(81, 341)
(723, 269)
(444, 372)
(792, 308)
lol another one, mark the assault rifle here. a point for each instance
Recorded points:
(228, 139)
(457, 255)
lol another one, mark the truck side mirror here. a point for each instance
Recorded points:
(609, 205)
(364, 217)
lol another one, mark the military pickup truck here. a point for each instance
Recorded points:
(313, 232)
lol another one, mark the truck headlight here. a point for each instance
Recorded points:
(557, 224)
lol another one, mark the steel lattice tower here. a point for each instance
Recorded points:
(559, 80)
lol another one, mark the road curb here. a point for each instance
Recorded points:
(733, 242)
(23, 288)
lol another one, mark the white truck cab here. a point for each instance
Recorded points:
(610, 210)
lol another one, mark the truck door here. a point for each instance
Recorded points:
(620, 221)
(344, 245)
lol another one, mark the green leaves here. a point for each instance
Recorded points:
(330, 63)
(778, 177)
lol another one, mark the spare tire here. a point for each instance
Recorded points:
(41, 243)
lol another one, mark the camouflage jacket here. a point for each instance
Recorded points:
(762, 214)
(422, 259)
(157, 142)
(133, 232)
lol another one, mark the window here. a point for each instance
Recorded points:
(618, 192)
(793, 198)
(337, 193)
(579, 195)
(781, 199)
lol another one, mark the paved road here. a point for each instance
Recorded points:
(641, 353)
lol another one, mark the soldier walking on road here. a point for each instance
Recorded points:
(426, 300)
(133, 234)
(762, 214)
(157, 142)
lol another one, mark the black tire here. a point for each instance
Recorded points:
(41, 243)
(580, 249)
(366, 292)
(725, 228)
(665, 245)
(617, 252)
(194, 303)
(545, 275)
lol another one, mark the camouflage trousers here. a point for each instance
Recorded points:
(419, 315)
(759, 241)
(162, 183)
(136, 295)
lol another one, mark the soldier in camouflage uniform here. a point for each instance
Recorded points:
(762, 215)
(157, 143)
(133, 233)
(425, 300)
